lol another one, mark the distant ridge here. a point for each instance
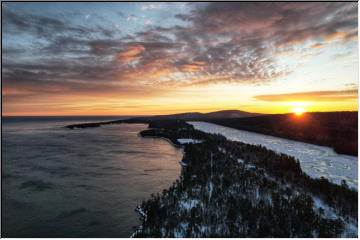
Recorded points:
(231, 114)
(189, 116)
(203, 116)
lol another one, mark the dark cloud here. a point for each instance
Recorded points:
(12, 51)
(282, 23)
(351, 35)
(121, 14)
(66, 44)
(50, 27)
(39, 26)
(152, 35)
(108, 32)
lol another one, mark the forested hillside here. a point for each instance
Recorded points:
(338, 130)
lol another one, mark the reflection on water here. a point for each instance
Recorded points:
(315, 160)
(80, 183)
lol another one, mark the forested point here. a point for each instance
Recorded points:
(233, 189)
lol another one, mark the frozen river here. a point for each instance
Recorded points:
(315, 160)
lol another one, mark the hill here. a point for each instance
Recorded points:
(230, 114)
(202, 116)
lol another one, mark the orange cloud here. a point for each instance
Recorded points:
(15, 92)
(316, 96)
(338, 34)
(286, 52)
(131, 54)
(311, 55)
(193, 67)
(318, 45)
(207, 79)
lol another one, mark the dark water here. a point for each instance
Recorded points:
(79, 183)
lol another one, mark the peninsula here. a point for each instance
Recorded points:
(233, 189)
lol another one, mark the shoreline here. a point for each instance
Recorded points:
(166, 139)
(138, 208)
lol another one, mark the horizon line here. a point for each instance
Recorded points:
(148, 115)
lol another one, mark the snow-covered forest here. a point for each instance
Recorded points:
(233, 189)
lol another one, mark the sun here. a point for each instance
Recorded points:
(298, 111)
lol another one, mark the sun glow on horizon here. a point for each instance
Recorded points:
(298, 111)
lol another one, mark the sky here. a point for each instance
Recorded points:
(123, 58)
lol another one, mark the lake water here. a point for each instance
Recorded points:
(316, 161)
(59, 182)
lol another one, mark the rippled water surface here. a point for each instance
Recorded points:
(59, 182)
(315, 160)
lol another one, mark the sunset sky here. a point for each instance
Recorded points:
(157, 58)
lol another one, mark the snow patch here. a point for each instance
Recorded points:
(188, 204)
(328, 212)
(223, 150)
(350, 225)
(240, 160)
(189, 140)
(183, 164)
